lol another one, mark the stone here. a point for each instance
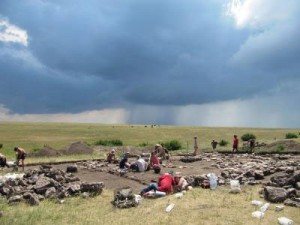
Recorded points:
(50, 193)
(74, 188)
(259, 175)
(15, 198)
(95, 187)
(72, 169)
(292, 203)
(291, 192)
(42, 185)
(31, 198)
(275, 194)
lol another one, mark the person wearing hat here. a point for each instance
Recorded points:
(161, 151)
(180, 183)
(124, 164)
(20, 155)
(111, 157)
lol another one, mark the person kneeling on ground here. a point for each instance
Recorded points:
(165, 183)
(140, 165)
(20, 155)
(153, 161)
(3, 162)
(111, 157)
(124, 164)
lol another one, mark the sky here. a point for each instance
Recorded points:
(212, 63)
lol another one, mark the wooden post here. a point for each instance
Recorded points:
(195, 146)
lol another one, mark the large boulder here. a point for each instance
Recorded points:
(94, 188)
(42, 185)
(275, 194)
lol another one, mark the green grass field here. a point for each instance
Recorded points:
(198, 206)
(57, 135)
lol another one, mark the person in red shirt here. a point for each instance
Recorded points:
(235, 144)
(164, 184)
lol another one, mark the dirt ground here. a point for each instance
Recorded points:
(139, 180)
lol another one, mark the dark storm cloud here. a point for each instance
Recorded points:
(97, 54)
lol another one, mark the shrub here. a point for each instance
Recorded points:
(144, 144)
(248, 136)
(290, 136)
(1, 145)
(172, 145)
(223, 143)
(280, 148)
(115, 142)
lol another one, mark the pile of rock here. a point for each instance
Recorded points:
(284, 188)
(47, 182)
(253, 169)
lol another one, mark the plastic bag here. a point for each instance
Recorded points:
(285, 221)
(258, 214)
(265, 207)
(256, 203)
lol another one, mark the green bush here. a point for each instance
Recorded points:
(172, 145)
(280, 148)
(115, 142)
(223, 143)
(248, 136)
(144, 144)
(290, 136)
(1, 145)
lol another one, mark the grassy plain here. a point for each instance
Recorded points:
(198, 206)
(33, 136)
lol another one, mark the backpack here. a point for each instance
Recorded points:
(124, 198)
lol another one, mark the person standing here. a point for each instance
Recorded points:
(195, 146)
(214, 145)
(235, 144)
(20, 155)
(251, 145)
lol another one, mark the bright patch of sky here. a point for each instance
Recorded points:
(12, 33)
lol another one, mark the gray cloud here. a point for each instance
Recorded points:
(98, 54)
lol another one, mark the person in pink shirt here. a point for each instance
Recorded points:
(154, 160)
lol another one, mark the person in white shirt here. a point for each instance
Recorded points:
(141, 164)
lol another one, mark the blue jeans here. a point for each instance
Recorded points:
(149, 188)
